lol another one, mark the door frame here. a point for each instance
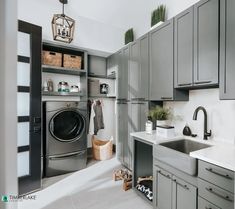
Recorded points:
(32, 182)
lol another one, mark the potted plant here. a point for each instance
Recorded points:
(129, 36)
(161, 115)
(158, 16)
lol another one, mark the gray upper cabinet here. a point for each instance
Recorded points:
(97, 66)
(139, 69)
(134, 71)
(183, 55)
(206, 42)
(123, 68)
(162, 64)
(227, 49)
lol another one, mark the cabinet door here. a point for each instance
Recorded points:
(161, 62)
(121, 123)
(122, 128)
(97, 66)
(206, 44)
(183, 50)
(134, 71)
(184, 195)
(144, 67)
(123, 66)
(227, 49)
(163, 189)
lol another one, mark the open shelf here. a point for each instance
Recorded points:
(62, 70)
(54, 93)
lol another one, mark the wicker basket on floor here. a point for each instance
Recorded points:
(102, 149)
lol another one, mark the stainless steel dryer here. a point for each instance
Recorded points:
(65, 137)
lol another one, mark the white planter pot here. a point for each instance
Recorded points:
(162, 122)
(156, 25)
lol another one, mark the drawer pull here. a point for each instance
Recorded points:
(185, 84)
(202, 82)
(166, 175)
(219, 195)
(181, 185)
(219, 174)
(166, 98)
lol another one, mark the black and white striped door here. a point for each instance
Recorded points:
(29, 107)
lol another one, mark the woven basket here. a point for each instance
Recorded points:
(52, 58)
(102, 150)
(72, 61)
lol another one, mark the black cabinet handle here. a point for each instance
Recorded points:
(202, 82)
(219, 195)
(166, 175)
(208, 208)
(181, 185)
(166, 98)
(185, 84)
(219, 174)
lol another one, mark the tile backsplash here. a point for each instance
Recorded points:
(221, 115)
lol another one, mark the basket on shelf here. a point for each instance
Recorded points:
(72, 61)
(52, 58)
(102, 149)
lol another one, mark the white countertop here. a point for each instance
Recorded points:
(220, 154)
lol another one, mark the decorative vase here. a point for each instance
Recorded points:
(156, 25)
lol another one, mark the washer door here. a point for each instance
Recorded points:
(67, 125)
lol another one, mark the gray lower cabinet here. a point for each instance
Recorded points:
(139, 69)
(204, 204)
(122, 133)
(171, 192)
(162, 64)
(206, 42)
(123, 68)
(97, 66)
(184, 195)
(216, 185)
(227, 49)
(136, 122)
(183, 49)
(163, 189)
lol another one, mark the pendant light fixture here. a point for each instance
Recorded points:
(63, 26)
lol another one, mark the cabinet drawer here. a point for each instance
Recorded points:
(216, 175)
(219, 197)
(204, 204)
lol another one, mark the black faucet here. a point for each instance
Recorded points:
(206, 134)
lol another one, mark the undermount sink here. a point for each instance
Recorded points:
(176, 154)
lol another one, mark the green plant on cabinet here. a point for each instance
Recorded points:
(158, 15)
(129, 36)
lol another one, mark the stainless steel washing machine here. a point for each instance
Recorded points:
(65, 137)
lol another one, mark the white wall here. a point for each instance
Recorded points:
(221, 114)
(8, 127)
(99, 25)
(89, 33)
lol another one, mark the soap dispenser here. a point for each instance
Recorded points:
(149, 126)
(187, 130)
